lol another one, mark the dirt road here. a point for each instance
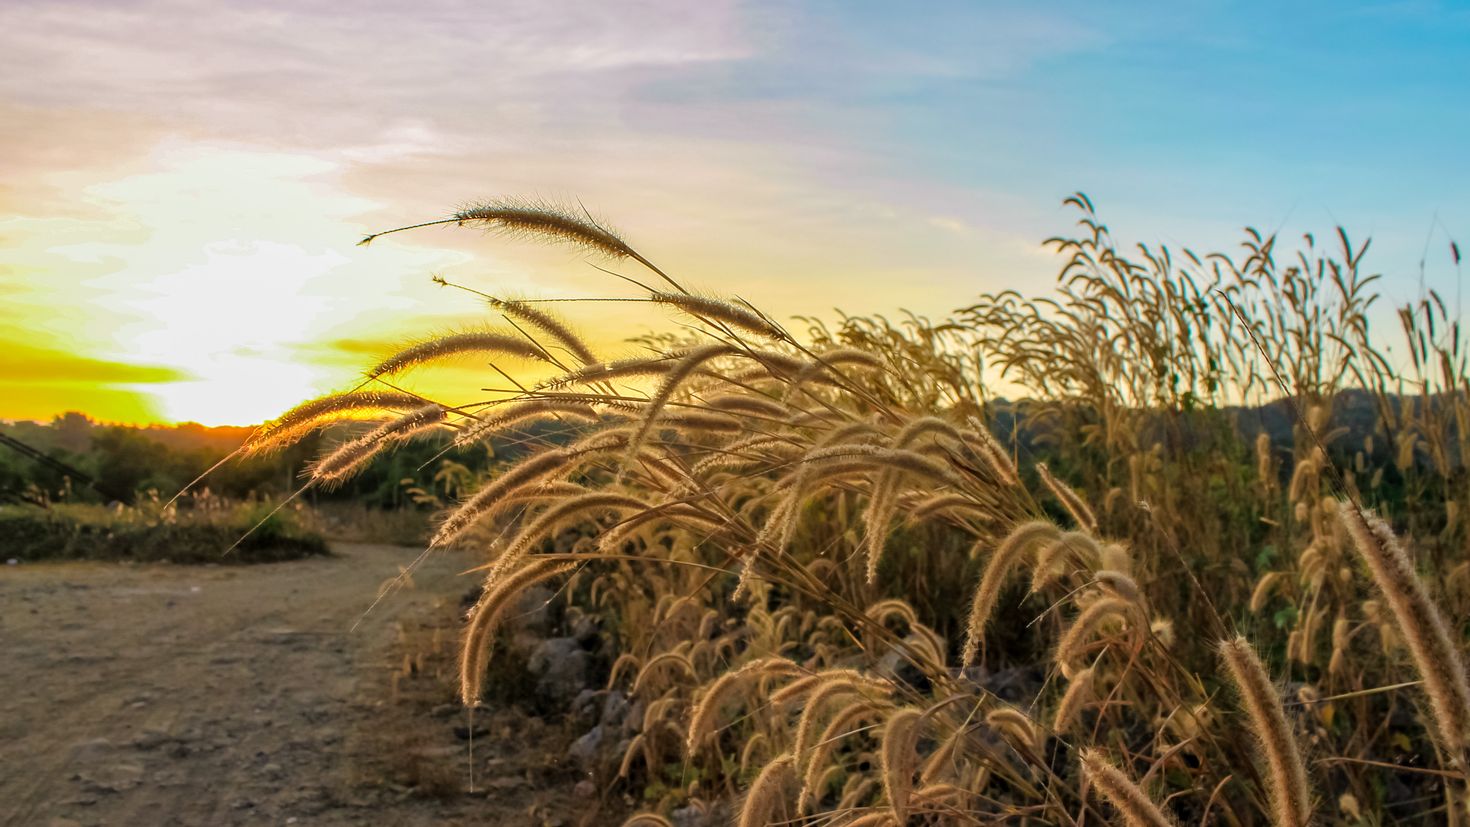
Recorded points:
(172, 695)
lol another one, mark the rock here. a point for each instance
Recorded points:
(898, 663)
(561, 668)
(150, 739)
(506, 782)
(93, 750)
(585, 750)
(532, 612)
(1014, 685)
(463, 733)
(585, 789)
(586, 709)
(583, 628)
(633, 720)
(700, 814)
(114, 778)
(81, 801)
(614, 709)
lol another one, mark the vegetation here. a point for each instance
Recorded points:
(90, 490)
(149, 532)
(127, 463)
(1210, 567)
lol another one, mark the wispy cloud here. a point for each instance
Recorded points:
(181, 182)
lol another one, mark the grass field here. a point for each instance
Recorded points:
(1179, 541)
(150, 533)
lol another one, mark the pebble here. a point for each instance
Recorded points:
(113, 779)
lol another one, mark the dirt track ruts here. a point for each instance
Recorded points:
(185, 695)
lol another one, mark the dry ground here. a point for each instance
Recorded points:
(171, 695)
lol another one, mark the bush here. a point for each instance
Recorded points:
(70, 532)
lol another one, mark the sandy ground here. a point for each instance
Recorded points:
(174, 695)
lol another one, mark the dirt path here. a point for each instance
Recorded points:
(172, 695)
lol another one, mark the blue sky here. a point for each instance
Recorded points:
(158, 155)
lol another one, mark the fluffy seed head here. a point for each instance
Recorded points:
(1291, 802)
(1420, 623)
(1131, 802)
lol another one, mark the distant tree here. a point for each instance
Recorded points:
(72, 432)
(127, 462)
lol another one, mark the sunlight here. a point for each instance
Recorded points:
(234, 293)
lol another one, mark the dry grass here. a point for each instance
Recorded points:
(813, 550)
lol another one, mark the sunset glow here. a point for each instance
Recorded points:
(179, 224)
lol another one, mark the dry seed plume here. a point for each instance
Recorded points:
(1131, 802)
(720, 310)
(1075, 640)
(530, 219)
(635, 366)
(516, 413)
(721, 691)
(1419, 621)
(994, 454)
(1079, 692)
(1291, 800)
(583, 505)
(840, 725)
(546, 323)
(301, 420)
(485, 616)
(353, 454)
(900, 759)
(681, 370)
(539, 468)
(1069, 498)
(767, 795)
(813, 708)
(1002, 561)
(457, 344)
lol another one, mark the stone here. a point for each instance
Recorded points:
(584, 628)
(464, 733)
(561, 668)
(633, 720)
(532, 611)
(150, 739)
(113, 778)
(586, 708)
(614, 709)
(700, 815)
(586, 750)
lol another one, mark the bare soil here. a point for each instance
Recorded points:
(173, 695)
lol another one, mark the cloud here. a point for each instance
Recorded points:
(23, 364)
(290, 71)
(38, 382)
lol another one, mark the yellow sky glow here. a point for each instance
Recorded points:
(222, 283)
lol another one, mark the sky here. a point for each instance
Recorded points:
(182, 184)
